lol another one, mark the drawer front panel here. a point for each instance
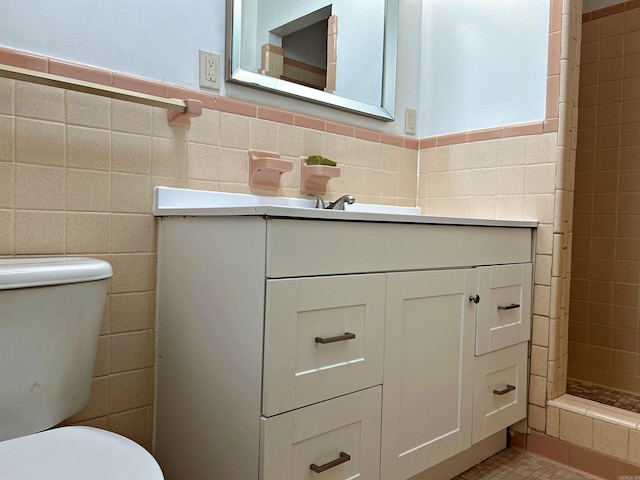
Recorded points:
(307, 247)
(500, 390)
(340, 436)
(323, 338)
(504, 311)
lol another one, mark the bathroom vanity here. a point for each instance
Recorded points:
(296, 343)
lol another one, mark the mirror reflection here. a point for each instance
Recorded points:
(341, 53)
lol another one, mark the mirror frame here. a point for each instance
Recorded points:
(385, 111)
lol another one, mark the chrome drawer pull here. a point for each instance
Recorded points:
(507, 389)
(511, 306)
(338, 338)
(344, 457)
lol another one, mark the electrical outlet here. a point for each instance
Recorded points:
(410, 121)
(209, 70)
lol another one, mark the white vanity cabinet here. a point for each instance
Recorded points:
(296, 348)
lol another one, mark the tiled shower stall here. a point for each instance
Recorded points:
(604, 330)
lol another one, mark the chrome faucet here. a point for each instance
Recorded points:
(319, 200)
(339, 203)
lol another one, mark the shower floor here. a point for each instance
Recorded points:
(604, 395)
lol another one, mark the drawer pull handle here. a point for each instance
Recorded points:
(507, 389)
(344, 457)
(511, 306)
(337, 338)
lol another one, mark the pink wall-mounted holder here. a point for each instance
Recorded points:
(314, 178)
(265, 169)
(194, 109)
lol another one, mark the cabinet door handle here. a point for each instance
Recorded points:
(511, 306)
(344, 457)
(507, 389)
(474, 298)
(337, 338)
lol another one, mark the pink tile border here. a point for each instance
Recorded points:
(231, 105)
(605, 12)
(489, 134)
(536, 128)
(395, 140)
(42, 63)
(428, 142)
(365, 134)
(80, 72)
(208, 99)
(599, 465)
(17, 58)
(611, 10)
(411, 143)
(555, 16)
(452, 139)
(553, 96)
(548, 447)
(341, 129)
(275, 115)
(579, 458)
(626, 468)
(309, 122)
(142, 85)
(550, 125)
(553, 59)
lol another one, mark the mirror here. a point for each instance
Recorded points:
(341, 54)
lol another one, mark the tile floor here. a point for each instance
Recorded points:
(510, 464)
(604, 395)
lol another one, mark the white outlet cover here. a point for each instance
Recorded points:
(209, 70)
(410, 120)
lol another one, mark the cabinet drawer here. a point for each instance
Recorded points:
(324, 337)
(322, 435)
(316, 247)
(504, 311)
(500, 390)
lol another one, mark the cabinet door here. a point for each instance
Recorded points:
(428, 371)
(323, 338)
(339, 437)
(504, 311)
(500, 390)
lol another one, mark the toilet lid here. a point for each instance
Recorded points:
(76, 453)
(38, 272)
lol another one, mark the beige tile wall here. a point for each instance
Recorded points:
(527, 177)
(76, 178)
(605, 294)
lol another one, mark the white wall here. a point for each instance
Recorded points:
(484, 64)
(156, 39)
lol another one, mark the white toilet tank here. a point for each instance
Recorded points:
(50, 315)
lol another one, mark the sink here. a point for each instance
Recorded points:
(371, 208)
(184, 202)
(173, 200)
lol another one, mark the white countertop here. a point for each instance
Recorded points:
(184, 202)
